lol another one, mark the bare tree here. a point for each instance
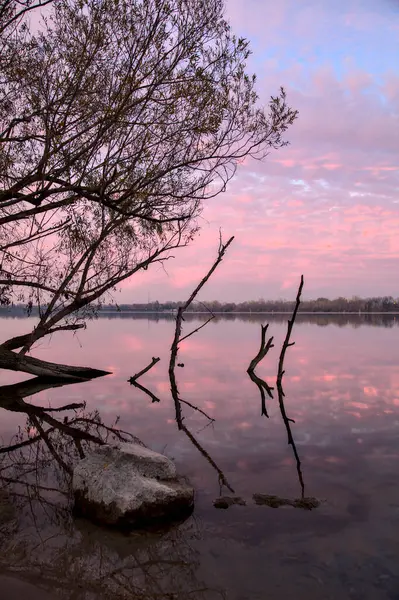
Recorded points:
(118, 119)
(12, 12)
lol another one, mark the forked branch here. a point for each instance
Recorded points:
(263, 350)
(261, 384)
(263, 387)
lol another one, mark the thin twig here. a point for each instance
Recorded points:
(34, 485)
(195, 330)
(196, 408)
(205, 306)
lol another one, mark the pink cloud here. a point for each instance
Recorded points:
(327, 205)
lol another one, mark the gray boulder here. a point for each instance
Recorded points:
(129, 485)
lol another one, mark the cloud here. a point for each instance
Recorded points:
(328, 204)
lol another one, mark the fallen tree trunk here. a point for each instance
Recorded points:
(42, 368)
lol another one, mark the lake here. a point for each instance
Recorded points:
(342, 390)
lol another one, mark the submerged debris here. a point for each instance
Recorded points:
(306, 503)
(227, 501)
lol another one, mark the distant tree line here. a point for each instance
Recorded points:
(321, 305)
(354, 320)
(354, 304)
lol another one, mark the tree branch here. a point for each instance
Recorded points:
(263, 387)
(21, 340)
(280, 390)
(177, 336)
(286, 342)
(153, 397)
(195, 330)
(147, 368)
(222, 477)
(263, 350)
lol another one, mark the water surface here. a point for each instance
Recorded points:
(342, 391)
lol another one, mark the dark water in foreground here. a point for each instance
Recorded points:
(342, 390)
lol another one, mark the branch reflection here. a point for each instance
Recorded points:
(39, 535)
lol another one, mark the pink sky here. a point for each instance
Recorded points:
(326, 206)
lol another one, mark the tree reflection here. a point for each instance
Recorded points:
(69, 554)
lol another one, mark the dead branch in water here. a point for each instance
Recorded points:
(138, 385)
(178, 337)
(263, 350)
(262, 385)
(280, 390)
(291, 440)
(287, 342)
(194, 407)
(221, 476)
(153, 362)
(172, 364)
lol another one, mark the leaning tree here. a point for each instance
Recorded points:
(118, 119)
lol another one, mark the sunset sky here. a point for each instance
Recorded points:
(327, 205)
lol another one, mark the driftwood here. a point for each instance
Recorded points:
(41, 368)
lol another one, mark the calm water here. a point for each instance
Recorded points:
(342, 390)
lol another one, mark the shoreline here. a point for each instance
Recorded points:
(216, 313)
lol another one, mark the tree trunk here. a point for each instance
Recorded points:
(28, 364)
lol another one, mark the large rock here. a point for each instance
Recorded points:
(129, 485)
